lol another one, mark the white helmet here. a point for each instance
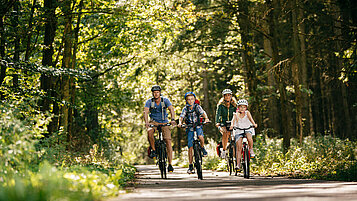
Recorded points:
(226, 91)
(243, 102)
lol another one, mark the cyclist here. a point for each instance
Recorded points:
(157, 106)
(225, 108)
(243, 119)
(191, 113)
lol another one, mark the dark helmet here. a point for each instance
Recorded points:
(190, 93)
(156, 88)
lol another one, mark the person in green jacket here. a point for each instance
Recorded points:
(224, 114)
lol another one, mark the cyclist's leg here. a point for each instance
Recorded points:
(167, 137)
(225, 137)
(151, 138)
(190, 155)
(239, 144)
(190, 145)
(200, 136)
(250, 142)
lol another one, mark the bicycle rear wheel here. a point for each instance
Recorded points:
(198, 161)
(246, 163)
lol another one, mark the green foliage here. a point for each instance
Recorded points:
(75, 183)
(21, 126)
(319, 157)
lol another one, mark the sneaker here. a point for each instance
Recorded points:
(153, 154)
(204, 152)
(190, 169)
(223, 154)
(238, 169)
(252, 154)
(170, 168)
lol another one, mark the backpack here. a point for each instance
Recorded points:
(195, 109)
(163, 106)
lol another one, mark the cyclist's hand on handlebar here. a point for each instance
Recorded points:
(179, 125)
(207, 121)
(173, 123)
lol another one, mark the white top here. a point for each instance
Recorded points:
(242, 123)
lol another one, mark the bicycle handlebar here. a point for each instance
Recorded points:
(160, 124)
(193, 125)
(237, 128)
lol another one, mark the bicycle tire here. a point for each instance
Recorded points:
(163, 150)
(198, 161)
(231, 159)
(235, 159)
(246, 163)
(162, 160)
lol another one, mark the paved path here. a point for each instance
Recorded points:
(220, 186)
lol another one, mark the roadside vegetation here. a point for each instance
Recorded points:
(319, 157)
(34, 168)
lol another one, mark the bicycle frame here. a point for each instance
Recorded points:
(160, 147)
(197, 150)
(245, 156)
(231, 160)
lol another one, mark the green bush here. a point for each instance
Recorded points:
(47, 170)
(319, 157)
(75, 183)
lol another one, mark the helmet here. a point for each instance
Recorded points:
(156, 88)
(190, 93)
(242, 102)
(226, 91)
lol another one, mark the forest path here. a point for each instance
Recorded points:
(220, 186)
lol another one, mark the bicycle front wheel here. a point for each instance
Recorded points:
(162, 160)
(231, 160)
(198, 161)
(246, 163)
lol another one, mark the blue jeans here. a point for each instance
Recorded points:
(190, 133)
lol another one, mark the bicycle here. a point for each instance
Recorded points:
(160, 146)
(245, 159)
(231, 160)
(197, 149)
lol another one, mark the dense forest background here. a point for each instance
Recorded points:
(75, 74)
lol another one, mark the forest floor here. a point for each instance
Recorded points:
(221, 186)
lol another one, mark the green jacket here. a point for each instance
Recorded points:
(222, 114)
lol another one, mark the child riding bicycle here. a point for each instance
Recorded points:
(191, 113)
(243, 119)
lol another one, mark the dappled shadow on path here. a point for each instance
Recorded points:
(221, 186)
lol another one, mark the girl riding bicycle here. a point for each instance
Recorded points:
(191, 113)
(243, 119)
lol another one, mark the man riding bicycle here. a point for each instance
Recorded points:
(225, 108)
(157, 106)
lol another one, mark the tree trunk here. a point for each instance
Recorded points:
(29, 32)
(248, 55)
(66, 63)
(273, 112)
(15, 76)
(47, 80)
(296, 69)
(2, 53)
(345, 126)
(71, 80)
